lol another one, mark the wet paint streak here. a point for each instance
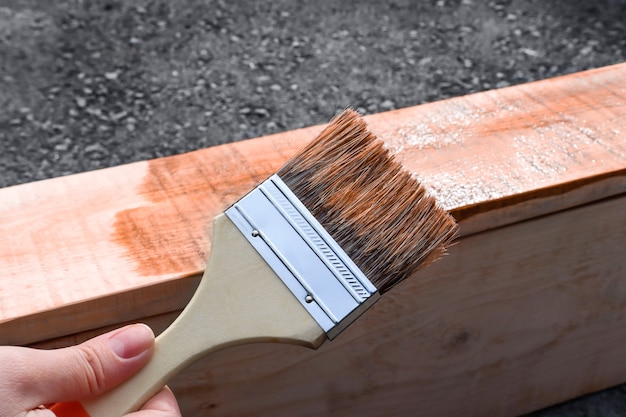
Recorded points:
(170, 234)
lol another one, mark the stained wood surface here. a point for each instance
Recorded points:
(527, 310)
(491, 158)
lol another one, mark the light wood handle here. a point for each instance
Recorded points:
(239, 300)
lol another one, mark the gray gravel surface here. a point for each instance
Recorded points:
(91, 84)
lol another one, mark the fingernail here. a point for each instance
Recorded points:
(132, 340)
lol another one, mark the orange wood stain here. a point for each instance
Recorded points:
(171, 232)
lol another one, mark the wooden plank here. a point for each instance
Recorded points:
(536, 175)
(492, 158)
(515, 319)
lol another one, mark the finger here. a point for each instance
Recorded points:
(78, 372)
(163, 404)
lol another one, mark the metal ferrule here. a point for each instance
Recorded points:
(305, 257)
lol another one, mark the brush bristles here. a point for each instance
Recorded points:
(382, 217)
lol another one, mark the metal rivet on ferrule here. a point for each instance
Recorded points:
(308, 299)
(255, 233)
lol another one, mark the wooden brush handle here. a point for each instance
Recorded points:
(239, 300)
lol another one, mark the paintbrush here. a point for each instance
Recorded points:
(299, 258)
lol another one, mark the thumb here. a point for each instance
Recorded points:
(85, 370)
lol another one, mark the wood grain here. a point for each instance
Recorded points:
(534, 173)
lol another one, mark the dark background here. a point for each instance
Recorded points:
(91, 84)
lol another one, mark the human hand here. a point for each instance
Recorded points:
(31, 378)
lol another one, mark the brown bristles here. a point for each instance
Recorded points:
(382, 217)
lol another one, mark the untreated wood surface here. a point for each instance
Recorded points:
(515, 318)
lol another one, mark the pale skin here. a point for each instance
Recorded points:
(32, 378)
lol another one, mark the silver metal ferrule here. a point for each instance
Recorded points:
(305, 257)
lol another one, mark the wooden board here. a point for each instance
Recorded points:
(497, 325)
(536, 318)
